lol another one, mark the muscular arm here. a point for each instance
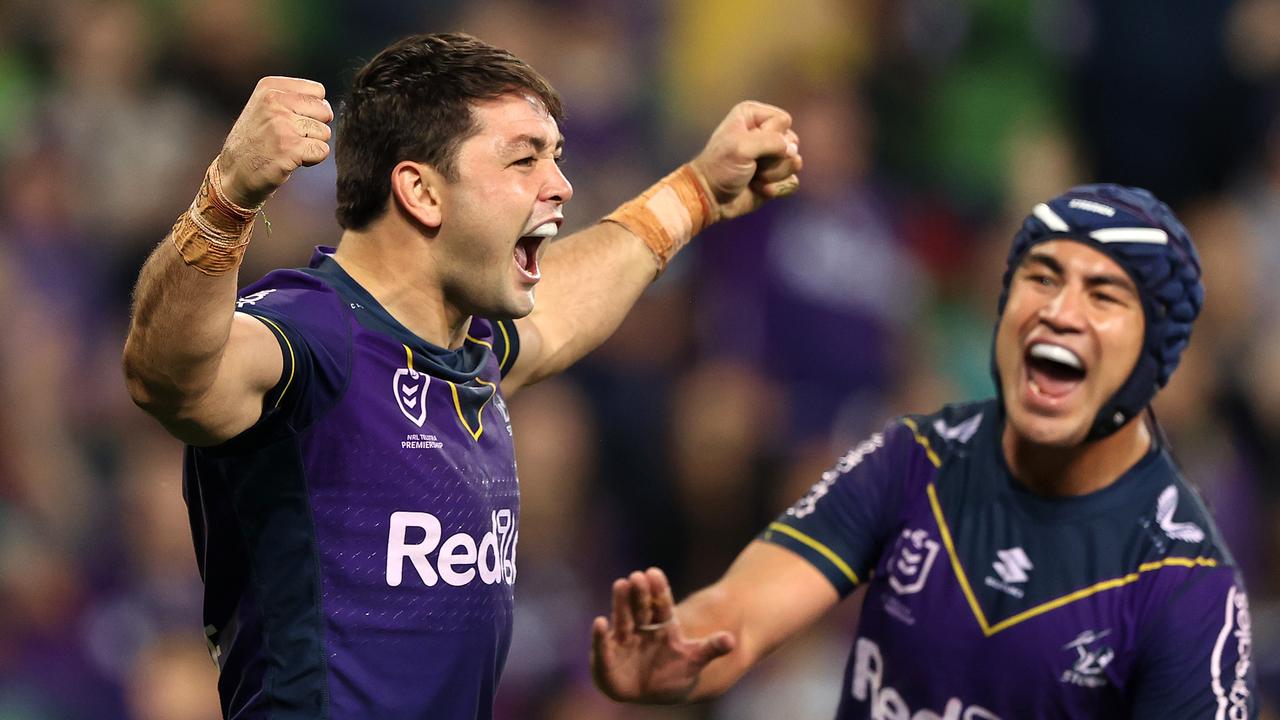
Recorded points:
(190, 360)
(593, 277)
(712, 638)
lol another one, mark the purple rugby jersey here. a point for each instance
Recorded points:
(358, 543)
(986, 601)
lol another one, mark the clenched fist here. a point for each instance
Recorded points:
(283, 127)
(752, 156)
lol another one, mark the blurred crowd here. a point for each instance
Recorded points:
(929, 129)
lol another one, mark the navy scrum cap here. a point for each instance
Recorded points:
(1142, 235)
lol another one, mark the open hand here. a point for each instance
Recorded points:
(643, 655)
(752, 156)
(283, 127)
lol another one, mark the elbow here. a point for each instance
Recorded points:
(137, 380)
(150, 388)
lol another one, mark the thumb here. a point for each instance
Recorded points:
(708, 649)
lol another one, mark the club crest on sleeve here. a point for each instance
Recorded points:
(410, 389)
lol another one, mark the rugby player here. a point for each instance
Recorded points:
(1037, 555)
(349, 472)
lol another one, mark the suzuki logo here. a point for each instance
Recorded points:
(1012, 565)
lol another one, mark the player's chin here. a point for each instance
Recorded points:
(1057, 431)
(519, 303)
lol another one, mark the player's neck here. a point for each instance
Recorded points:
(1077, 470)
(399, 276)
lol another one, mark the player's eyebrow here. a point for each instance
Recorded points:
(1050, 263)
(537, 142)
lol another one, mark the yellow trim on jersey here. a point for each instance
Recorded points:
(478, 341)
(955, 559)
(506, 347)
(988, 630)
(457, 405)
(825, 551)
(409, 355)
(924, 442)
(293, 360)
(1099, 587)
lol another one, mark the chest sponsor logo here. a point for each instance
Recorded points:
(1166, 506)
(1091, 661)
(913, 557)
(460, 559)
(410, 389)
(886, 703)
(253, 298)
(1012, 565)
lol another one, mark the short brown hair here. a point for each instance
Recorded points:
(413, 102)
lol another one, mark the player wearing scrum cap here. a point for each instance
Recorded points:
(349, 471)
(1034, 555)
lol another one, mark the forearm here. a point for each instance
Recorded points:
(709, 611)
(595, 276)
(180, 326)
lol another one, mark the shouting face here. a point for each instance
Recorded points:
(1069, 337)
(502, 209)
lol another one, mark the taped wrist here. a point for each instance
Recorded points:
(211, 236)
(668, 214)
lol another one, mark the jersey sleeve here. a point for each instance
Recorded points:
(1196, 659)
(841, 524)
(315, 345)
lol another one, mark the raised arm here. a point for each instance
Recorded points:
(593, 277)
(190, 360)
(653, 653)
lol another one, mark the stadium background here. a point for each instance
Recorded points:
(929, 129)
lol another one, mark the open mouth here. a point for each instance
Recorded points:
(525, 254)
(1053, 371)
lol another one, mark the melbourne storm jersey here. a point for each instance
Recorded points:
(358, 543)
(986, 601)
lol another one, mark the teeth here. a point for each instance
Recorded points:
(545, 230)
(1057, 354)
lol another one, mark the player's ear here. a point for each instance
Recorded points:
(416, 188)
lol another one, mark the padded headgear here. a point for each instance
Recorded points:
(1144, 237)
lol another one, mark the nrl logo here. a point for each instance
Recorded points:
(410, 389)
(915, 555)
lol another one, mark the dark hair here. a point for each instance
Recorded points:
(413, 102)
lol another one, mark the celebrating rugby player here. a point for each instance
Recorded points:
(349, 470)
(1037, 555)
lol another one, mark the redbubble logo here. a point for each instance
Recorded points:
(459, 558)
(886, 703)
